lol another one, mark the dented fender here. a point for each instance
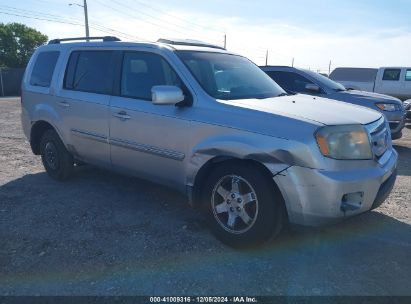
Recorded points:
(276, 154)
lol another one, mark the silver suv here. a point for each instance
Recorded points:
(210, 124)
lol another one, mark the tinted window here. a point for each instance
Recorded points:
(408, 75)
(141, 71)
(90, 71)
(354, 74)
(290, 81)
(391, 74)
(325, 81)
(43, 69)
(229, 77)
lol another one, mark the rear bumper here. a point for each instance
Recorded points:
(316, 197)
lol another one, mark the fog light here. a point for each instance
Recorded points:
(351, 201)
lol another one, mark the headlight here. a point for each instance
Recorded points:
(389, 107)
(344, 142)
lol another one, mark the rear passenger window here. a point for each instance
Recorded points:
(408, 75)
(90, 71)
(391, 74)
(141, 71)
(43, 69)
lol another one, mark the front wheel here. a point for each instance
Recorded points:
(244, 206)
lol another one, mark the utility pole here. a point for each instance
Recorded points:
(84, 6)
(225, 41)
(1, 81)
(266, 58)
(329, 69)
(292, 62)
(86, 19)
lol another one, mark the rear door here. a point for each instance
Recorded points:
(389, 82)
(84, 103)
(149, 140)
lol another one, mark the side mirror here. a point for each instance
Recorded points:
(312, 87)
(166, 95)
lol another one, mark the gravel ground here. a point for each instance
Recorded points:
(105, 234)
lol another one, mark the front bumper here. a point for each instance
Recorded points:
(396, 120)
(316, 197)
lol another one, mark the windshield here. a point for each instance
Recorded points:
(331, 84)
(228, 77)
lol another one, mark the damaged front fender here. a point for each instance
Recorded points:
(276, 154)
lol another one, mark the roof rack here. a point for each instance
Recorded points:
(189, 42)
(104, 38)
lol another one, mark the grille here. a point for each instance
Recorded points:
(379, 137)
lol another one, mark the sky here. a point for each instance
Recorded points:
(361, 33)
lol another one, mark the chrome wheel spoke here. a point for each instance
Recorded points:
(235, 185)
(223, 192)
(245, 217)
(221, 208)
(231, 220)
(248, 198)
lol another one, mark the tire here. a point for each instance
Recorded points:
(397, 135)
(263, 205)
(57, 161)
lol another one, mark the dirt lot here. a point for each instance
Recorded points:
(106, 234)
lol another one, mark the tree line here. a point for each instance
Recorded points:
(17, 44)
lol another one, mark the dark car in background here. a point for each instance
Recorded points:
(303, 81)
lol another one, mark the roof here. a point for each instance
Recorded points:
(108, 41)
(277, 67)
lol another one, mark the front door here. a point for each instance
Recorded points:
(149, 140)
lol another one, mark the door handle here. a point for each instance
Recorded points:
(122, 115)
(63, 104)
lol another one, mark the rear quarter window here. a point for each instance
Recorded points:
(90, 71)
(44, 68)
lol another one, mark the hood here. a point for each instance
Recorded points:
(305, 107)
(372, 97)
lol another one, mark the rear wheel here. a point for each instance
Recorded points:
(57, 161)
(244, 207)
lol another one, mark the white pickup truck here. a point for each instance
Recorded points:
(393, 81)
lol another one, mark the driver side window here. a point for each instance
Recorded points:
(290, 81)
(141, 71)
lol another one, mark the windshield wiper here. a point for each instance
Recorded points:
(283, 94)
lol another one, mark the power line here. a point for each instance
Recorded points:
(130, 12)
(156, 18)
(39, 18)
(69, 20)
(98, 27)
(177, 17)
